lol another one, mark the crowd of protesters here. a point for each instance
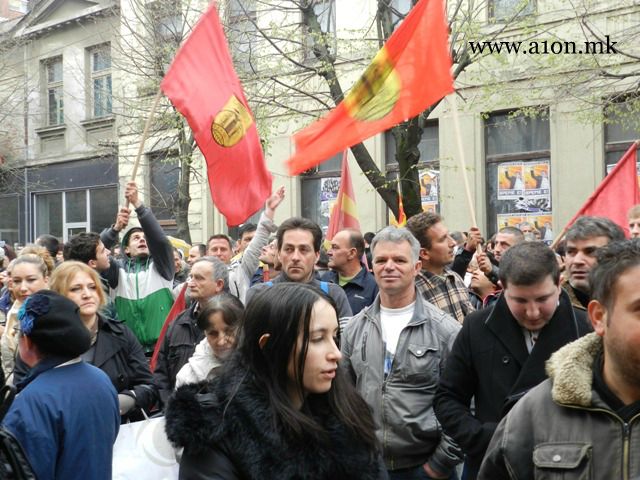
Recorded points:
(413, 353)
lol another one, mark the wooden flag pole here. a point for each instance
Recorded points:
(463, 164)
(145, 134)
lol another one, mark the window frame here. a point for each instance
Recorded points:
(316, 174)
(55, 86)
(392, 168)
(66, 226)
(163, 157)
(308, 55)
(619, 145)
(239, 26)
(106, 107)
(498, 158)
(491, 12)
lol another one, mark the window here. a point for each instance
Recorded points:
(21, 6)
(10, 219)
(428, 166)
(63, 214)
(518, 170)
(101, 96)
(622, 126)
(241, 18)
(399, 10)
(506, 10)
(325, 11)
(166, 21)
(54, 95)
(165, 26)
(319, 187)
(165, 178)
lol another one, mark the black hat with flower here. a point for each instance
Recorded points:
(53, 323)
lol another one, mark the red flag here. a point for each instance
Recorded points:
(178, 306)
(411, 72)
(616, 194)
(203, 86)
(344, 213)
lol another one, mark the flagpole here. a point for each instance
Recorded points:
(463, 164)
(145, 134)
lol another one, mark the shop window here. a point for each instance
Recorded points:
(518, 171)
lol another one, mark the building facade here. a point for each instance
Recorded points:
(538, 131)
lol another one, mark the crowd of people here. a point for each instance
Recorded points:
(411, 353)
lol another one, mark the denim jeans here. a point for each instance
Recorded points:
(414, 473)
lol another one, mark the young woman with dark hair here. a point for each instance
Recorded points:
(281, 408)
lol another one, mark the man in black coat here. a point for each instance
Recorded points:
(208, 278)
(500, 353)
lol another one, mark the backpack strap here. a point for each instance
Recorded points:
(325, 287)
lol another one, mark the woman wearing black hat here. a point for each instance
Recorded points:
(65, 415)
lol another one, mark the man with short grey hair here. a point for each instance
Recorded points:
(394, 351)
(584, 238)
(209, 276)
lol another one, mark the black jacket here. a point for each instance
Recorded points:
(489, 361)
(361, 290)
(235, 439)
(117, 353)
(177, 347)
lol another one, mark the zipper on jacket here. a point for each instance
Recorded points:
(626, 432)
(625, 450)
(364, 346)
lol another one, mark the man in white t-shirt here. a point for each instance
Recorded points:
(394, 351)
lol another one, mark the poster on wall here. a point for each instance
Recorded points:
(510, 220)
(542, 222)
(537, 180)
(429, 186)
(329, 188)
(510, 180)
(328, 195)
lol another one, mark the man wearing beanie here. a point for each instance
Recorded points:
(66, 414)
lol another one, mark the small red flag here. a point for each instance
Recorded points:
(411, 72)
(203, 86)
(344, 213)
(178, 306)
(616, 194)
(401, 221)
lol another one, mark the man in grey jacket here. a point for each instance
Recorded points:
(584, 421)
(394, 351)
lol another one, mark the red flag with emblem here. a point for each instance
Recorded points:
(203, 86)
(411, 72)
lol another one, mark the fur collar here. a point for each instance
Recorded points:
(199, 416)
(571, 370)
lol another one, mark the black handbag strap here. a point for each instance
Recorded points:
(7, 394)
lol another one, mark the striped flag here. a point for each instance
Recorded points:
(344, 213)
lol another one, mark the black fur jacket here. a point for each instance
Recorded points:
(237, 439)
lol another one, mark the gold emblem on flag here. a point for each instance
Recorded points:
(376, 92)
(231, 123)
